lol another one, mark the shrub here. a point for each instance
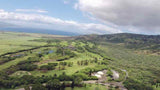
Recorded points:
(47, 67)
(28, 67)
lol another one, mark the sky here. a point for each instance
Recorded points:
(83, 16)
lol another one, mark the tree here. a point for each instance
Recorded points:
(55, 75)
(38, 87)
(61, 51)
(53, 84)
(63, 86)
(28, 79)
(28, 67)
(49, 42)
(47, 67)
(90, 72)
(73, 84)
(27, 87)
(78, 62)
(78, 80)
(133, 84)
(63, 77)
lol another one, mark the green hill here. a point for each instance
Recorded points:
(138, 54)
(76, 63)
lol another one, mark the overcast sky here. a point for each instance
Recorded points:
(83, 16)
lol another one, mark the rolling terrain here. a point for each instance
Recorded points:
(138, 54)
(89, 62)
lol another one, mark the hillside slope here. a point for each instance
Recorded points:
(132, 41)
(127, 51)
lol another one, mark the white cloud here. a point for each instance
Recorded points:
(31, 10)
(1, 10)
(76, 6)
(14, 19)
(66, 1)
(143, 15)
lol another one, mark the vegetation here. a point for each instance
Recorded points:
(137, 54)
(48, 63)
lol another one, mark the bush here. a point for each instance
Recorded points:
(81, 75)
(28, 67)
(53, 84)
(28, 79)
(132, 84)
(47, 67)
(64, 77)
(50, 66)
(38, 87)
(29, 60)
(93, 78)
(53, 64)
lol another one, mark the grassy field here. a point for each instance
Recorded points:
(10, 41)
(143, 68)
(14, 41)
(14, 62)
(23, 41)
(68, 70)
(139, 66)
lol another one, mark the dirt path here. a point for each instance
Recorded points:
(90, 82)
(126, 74)
(103, 77)
(115, 74)
(103, 80)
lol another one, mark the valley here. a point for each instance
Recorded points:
(74, 63)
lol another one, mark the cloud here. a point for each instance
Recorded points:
(67, 1)
(142, 15)
(31, 10)
(14, 19)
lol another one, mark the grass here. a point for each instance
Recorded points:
(11, 42)
(13, 62)
(139, 66)
(74, 68)
(16, 61)
(69, 70)
(20, 73)
(142, 67)
(89, 87)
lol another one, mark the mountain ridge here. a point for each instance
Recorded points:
(132, 41)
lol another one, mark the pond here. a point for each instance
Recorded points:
(46, 52)
(51, 51)
(18, 55)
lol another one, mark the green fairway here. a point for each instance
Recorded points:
(74, 68)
